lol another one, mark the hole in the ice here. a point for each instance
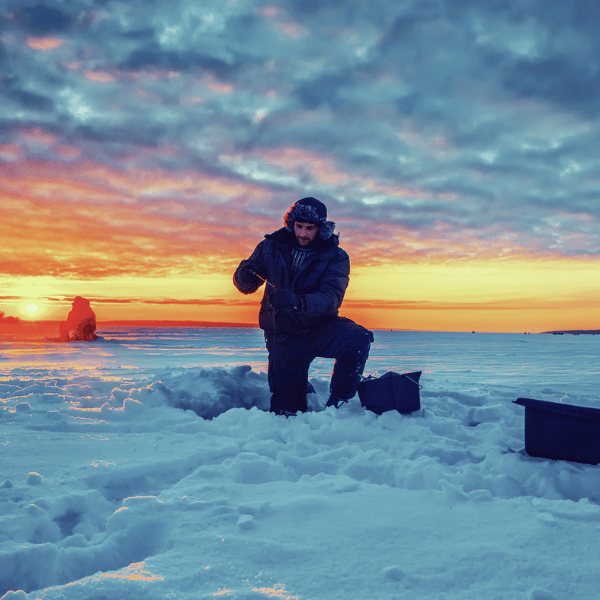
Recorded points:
(68, 522)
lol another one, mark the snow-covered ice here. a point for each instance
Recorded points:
(145, 465)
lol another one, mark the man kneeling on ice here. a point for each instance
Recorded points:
(306, 274)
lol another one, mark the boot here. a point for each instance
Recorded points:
(335, 401)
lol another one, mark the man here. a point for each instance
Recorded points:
(306, 274)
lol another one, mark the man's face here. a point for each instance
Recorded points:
(305, 233)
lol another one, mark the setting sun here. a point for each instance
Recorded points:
(31, 308)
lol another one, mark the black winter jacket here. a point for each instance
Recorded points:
(320, 283)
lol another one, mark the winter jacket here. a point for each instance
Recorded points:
(320, 283)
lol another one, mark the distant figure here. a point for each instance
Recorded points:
(80, 324)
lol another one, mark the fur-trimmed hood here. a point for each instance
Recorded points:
(286, 237)
(310, 210)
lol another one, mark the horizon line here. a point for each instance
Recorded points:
(239, 325)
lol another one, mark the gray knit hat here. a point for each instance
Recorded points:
(310, 210)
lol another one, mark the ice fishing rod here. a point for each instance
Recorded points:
(260, 277)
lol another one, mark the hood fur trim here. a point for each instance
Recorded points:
(308, 214)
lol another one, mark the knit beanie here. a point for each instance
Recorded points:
(310, 210)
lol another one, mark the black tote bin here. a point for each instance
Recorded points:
(391, 391)
(561, 431)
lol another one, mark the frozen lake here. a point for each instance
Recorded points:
(564, 366)
(145, 465)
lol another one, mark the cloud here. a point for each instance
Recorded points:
(42, 19)
(89, 221)
(29, 100)
(166, 301)
(137, 137)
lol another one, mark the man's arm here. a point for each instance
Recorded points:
(248, 277)
(328, 299)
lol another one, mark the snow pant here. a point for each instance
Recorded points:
(290, 357)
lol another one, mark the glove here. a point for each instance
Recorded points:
(248, 273)
(284, 300)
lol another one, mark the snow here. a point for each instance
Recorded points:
(145, 465)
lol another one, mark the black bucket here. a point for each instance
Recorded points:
(391, 392)
(561, 431)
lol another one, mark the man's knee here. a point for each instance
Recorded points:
(357, 345)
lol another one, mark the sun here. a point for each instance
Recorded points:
(31, 308)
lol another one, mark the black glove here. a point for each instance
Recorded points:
(284, 300)
(248, 273)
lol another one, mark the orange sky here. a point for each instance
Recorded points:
(146, 244)
(142, 158)
(458, 298)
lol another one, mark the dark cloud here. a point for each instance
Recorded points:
(29, 100)
(167, 301)
(136, 133)
(323, 90)
(155, 57)
(572, 84)
(42, 19)
(140, 34)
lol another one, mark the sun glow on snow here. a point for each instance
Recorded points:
(134, 572)
(277, 591)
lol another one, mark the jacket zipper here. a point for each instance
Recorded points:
(306, 263)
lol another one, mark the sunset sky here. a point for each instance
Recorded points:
(146, 148)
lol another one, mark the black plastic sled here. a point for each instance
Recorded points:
(391, 391)
(561, 431)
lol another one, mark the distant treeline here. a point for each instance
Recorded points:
(5, 319)
(575, 332)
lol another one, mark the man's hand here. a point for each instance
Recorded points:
(284, 300)
(248, 273)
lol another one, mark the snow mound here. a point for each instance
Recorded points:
(208, 392)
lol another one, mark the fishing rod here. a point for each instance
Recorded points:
(263, 279)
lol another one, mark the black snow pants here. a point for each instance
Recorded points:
(290, 357)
